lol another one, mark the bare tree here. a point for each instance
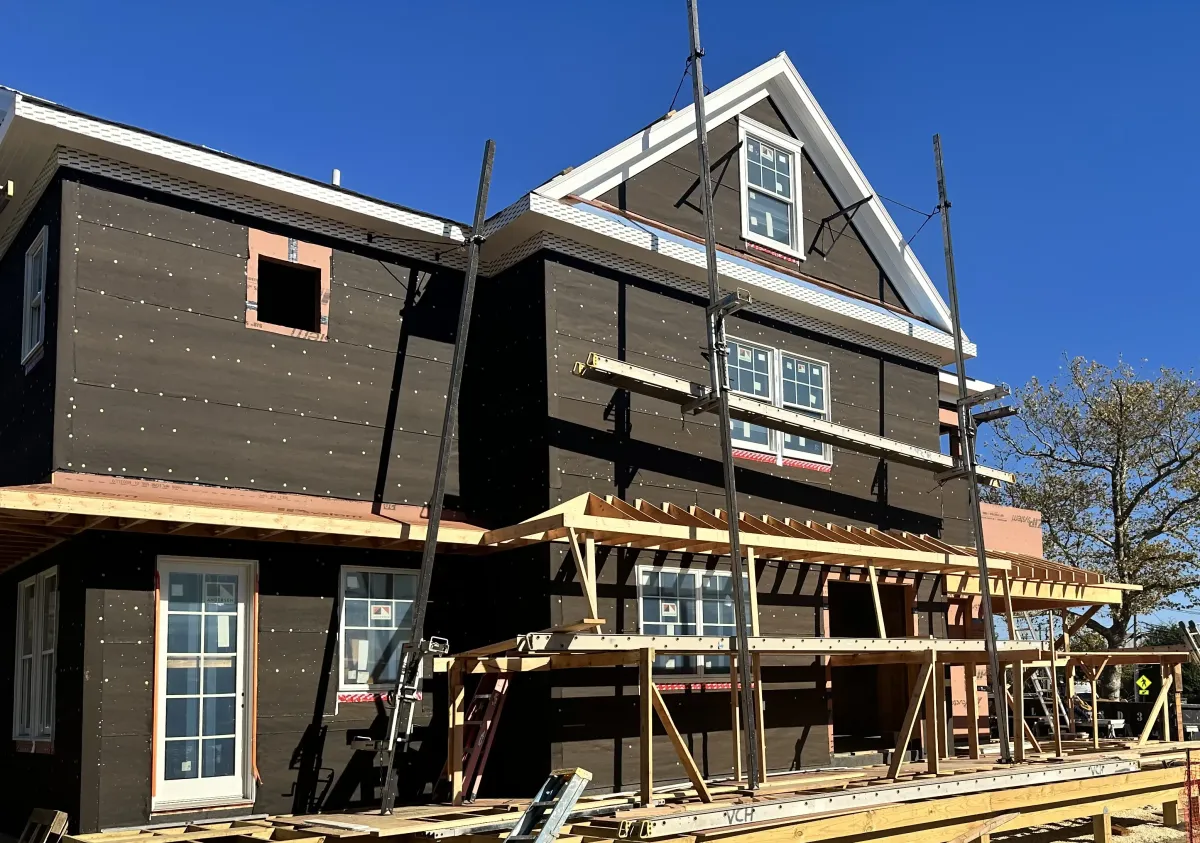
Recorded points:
(1112, 461)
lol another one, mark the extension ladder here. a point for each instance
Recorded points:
(481, 719)
(554, 803)
(1039, 679)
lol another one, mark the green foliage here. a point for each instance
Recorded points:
(1112, 461)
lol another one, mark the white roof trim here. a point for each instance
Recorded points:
(104, 135)
(778, 79)
(801, 298)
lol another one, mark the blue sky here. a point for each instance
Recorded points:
(1069, 128)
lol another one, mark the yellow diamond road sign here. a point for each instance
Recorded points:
(1143, 684)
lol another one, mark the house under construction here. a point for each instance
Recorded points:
(223, 395)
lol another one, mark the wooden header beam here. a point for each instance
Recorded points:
(680, 392)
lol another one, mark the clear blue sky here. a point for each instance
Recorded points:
(1069, 128)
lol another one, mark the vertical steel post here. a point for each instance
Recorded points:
(967, 453)
(411, 655)
(718, 354)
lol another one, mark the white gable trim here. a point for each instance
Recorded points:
(778, 79)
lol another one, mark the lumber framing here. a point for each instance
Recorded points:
(678, 391)
(681, 748)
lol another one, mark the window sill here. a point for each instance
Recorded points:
(33, 357)
(44, 746)
(789, 462)
(772, 248)
(165, 809)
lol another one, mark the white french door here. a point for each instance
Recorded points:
(202, 683)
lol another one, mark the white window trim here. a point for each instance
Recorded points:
(775, 444)
(344, 687)
(249, 577)
(40, 732)
(28, 347)
(746, 126)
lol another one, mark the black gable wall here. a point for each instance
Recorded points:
(165, 381)
(669, 192)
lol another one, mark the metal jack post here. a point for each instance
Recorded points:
(967, 452)
(719, 306)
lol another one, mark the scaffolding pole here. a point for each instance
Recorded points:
(967, 451)
(718, 352)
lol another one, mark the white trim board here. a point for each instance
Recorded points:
(779, 80)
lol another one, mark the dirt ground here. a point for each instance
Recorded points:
(1137, 825)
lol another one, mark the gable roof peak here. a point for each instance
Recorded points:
(778, 79)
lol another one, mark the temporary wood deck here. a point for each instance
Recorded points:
(966, 801)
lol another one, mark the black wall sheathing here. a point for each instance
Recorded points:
(161, 359)
(669, 192)
(50, 779)
(158, 377)
(101, 769)
(27, 408)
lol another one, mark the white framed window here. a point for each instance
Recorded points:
(782, 379)
(771, 208)
(376, 620)
(203, 683)
(37, 637)
(33, 322)
(677, 601)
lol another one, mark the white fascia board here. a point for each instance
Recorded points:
(802, 298)
(779, 79)
(143, 148)
(948, 386)
(660, 139)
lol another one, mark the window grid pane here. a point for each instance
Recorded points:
(696, 604)
(804, 388)
(376, 617)
(750, 373)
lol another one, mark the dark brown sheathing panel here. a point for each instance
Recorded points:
(106, 662)
(27, 411)
(669, 193)
(44, 780)
(162, 359)
(609, 443)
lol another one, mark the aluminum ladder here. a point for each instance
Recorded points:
(1040, 677)
(1191, 637)
(553, 804)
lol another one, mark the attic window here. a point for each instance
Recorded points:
(771, 212)
(289, 295)
(287, 286)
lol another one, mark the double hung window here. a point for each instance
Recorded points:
(33, 324)
(376, 620)
(37, 634)
(770, 188)
(782, 379)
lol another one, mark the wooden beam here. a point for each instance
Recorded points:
(761, 732)
(589, 561)
(1008, 607)
(1177, 689)
(1053, 670)
(972, 710)
(1159, 702)
(910, 719)
(646, 725)
(457, 716)
(681, 749)
(1018, 708)
(933, 756)
(1102, 827)
(1166, 719)
(982, 832)
(752, 576)
(879, 624)
(735, 717)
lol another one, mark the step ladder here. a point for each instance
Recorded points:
(1040, 678)
(481, 720)
(553, 804)
(1191, 636)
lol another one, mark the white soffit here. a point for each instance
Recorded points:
(778, 79)
(31, 129)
